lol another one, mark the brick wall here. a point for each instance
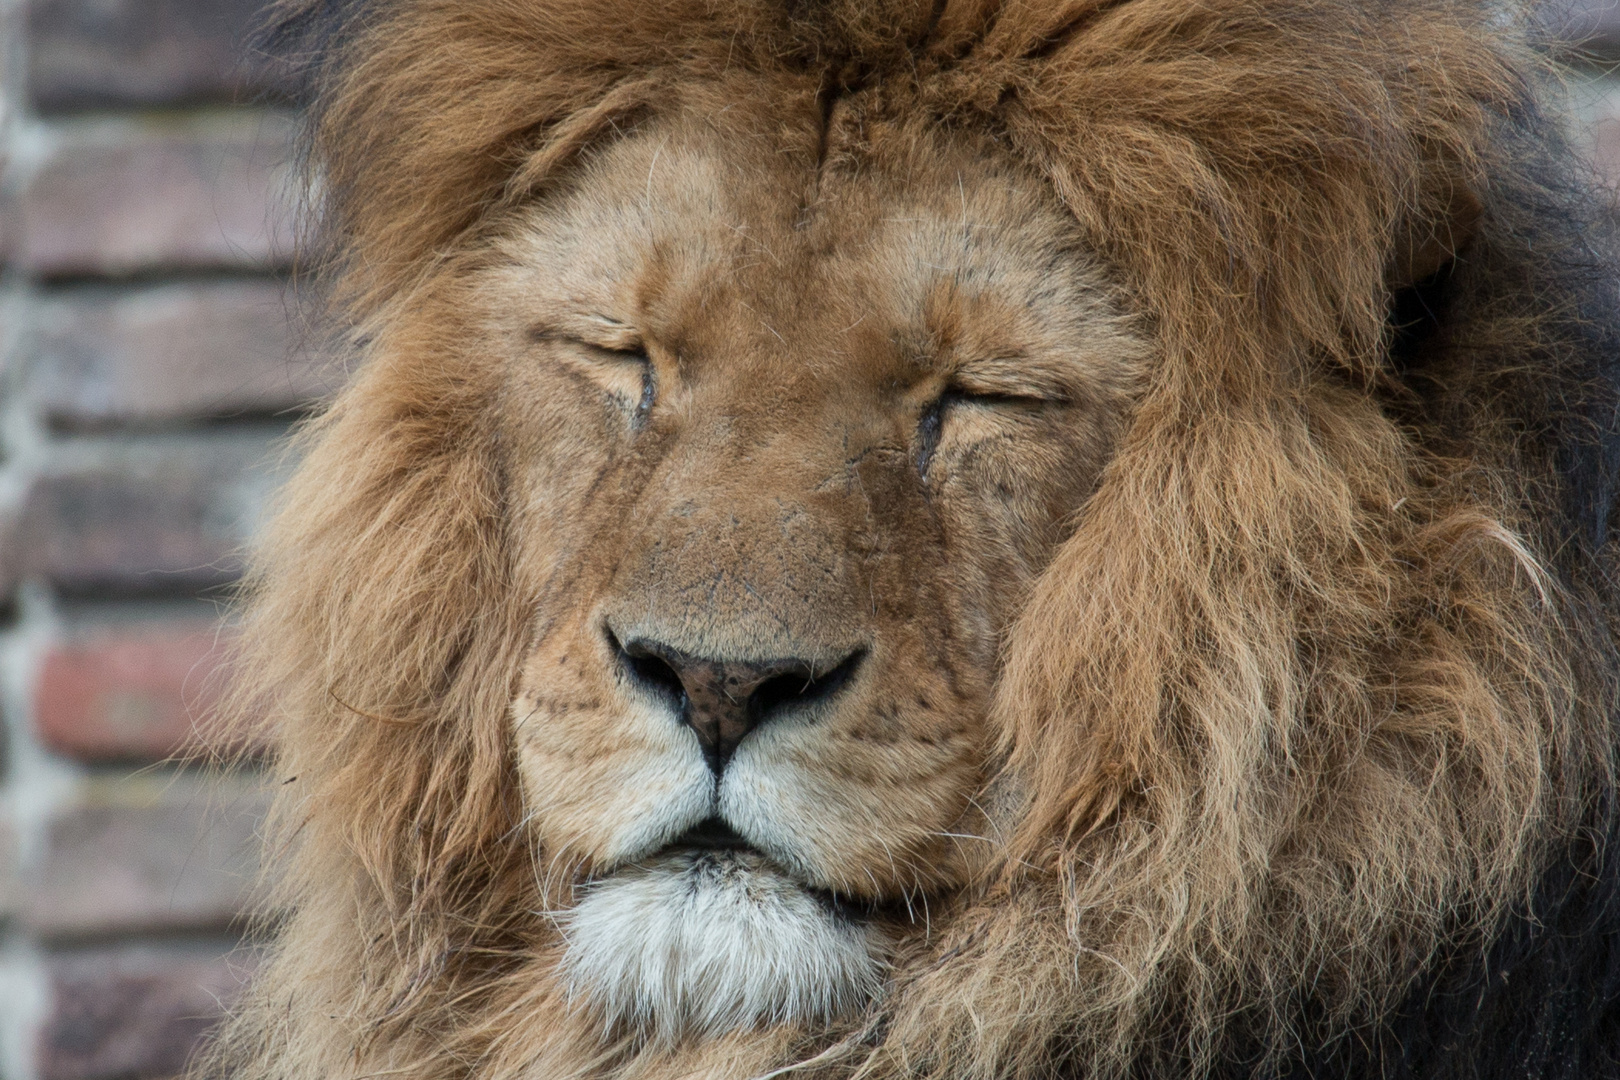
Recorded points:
(147, 369)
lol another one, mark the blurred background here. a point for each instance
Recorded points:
(150, 361)
(151, 358)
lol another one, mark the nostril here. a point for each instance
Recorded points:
(657, 675)
(800, 687)
(649, 671)
(723, 700)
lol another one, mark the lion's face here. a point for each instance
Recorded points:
(933, 539)
(786, 445)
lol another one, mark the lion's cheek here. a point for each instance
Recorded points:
(873, 821)
(605, 786)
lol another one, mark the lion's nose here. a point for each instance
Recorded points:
(723, 700)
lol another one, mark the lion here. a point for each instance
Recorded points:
(943, 539)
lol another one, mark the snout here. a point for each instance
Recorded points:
(724, 700)
(728, 671)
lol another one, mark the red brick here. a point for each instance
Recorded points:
(174, 352)
(146, 515)
(148, 853)
(139, 692)
(136, 1012)
(144, 52)
(118, 197)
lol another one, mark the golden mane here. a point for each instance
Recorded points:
(1312, 695)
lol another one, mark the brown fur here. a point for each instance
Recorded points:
(1257, 690)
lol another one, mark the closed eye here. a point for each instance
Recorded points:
(1018, 381)
(628, 354)
(932, 424)
(620, 358)
(993, 398)
(649, 376)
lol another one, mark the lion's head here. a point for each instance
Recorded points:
(924, 539)
(782, 461)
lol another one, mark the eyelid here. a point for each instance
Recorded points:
(1012, 387)
(636, 352)
(989, 395)
(628, 346)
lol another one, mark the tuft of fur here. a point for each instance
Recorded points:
(711, 943)
(1305, 733)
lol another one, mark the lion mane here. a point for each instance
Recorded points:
(1302, 743)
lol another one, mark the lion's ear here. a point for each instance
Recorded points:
(1440, 227)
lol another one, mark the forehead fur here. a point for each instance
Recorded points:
(928, 252)
(1235, 160)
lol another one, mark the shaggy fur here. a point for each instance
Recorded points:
(1281, 741)
(702, 960)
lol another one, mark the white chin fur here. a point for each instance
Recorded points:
(707, 942)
